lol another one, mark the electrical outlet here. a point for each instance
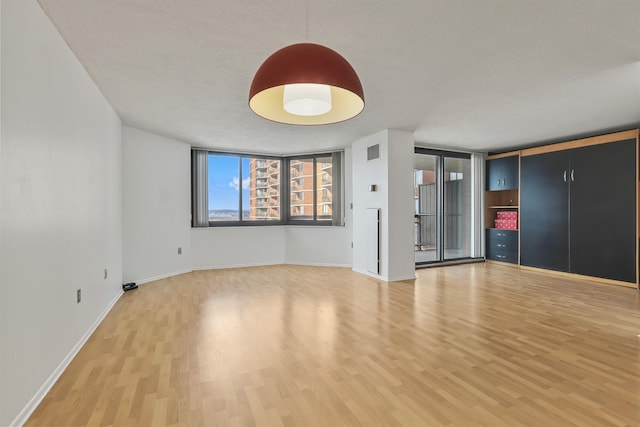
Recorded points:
(106, 273)
(179, 251)
(79, 295)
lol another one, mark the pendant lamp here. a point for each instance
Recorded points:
(306, 84)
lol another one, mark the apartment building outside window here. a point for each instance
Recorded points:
(311, 188)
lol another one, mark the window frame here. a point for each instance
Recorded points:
(284, 188)
(314, 176)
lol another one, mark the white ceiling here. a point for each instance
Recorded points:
(478, 75)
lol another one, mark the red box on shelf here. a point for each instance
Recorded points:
(511, 224)
(507, 215)
(506, 224)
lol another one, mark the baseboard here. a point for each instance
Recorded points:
(220, 267)
(163, 276)
(26, 412)
(319, 264)
(368, 273)
(400, 278)
(385, 278)
(457, 262)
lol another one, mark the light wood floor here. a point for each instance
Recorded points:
(313, 346)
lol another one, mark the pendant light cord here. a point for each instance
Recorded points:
(307, 34)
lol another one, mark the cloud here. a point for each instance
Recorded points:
(236, 181)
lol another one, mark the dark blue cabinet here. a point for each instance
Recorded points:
(544, 221)
(502, 173)
(578, 211)
(502, 245)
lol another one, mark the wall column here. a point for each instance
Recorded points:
(392, 174)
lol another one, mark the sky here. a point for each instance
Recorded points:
(224, 181)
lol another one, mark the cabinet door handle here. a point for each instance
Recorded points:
(572, 176)
(564, 176)
(499, 182)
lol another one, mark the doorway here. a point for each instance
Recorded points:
(442, 206)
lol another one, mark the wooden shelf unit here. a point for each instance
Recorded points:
(503, 200)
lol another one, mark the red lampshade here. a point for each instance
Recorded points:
(312, 65)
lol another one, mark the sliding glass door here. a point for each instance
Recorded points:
(442, 216)
(457, 208)
(426, 225)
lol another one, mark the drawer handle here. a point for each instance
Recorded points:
(500, 256)
(501, 245)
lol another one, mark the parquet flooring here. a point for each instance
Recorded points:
(468, 345)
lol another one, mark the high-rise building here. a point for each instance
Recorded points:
(301, 188)
(264, 189)
(325, 188)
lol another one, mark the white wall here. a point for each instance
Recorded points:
(228, 247)
(61, 207)
(392, 173)
(364, 174)
(400, 152)
(156, 212)
(324, 246)
(330, 246)
(156, 206)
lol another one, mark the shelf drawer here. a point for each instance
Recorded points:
(504, 256)
(507, 238)
(502, 245)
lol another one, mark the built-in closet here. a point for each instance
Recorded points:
(575, 208)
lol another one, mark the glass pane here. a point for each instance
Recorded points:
(324, 196)
(457, 208)
(425, 194)
(261, 199)
(301, 189)
(224, 183)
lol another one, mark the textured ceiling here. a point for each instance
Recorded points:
(474, 75)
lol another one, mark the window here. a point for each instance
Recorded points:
(242, 189)
(263, 189)
(301, 204)
(324, 188)
(311, 188)
(234, 189)
(224, 199)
